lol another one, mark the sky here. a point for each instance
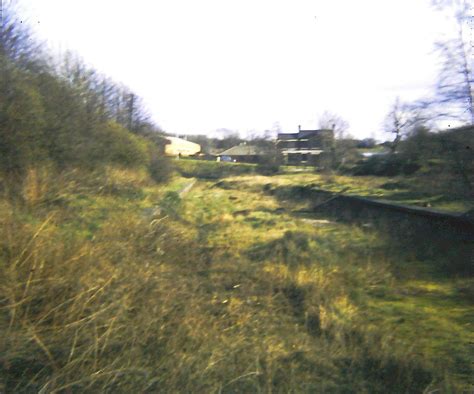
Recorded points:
(250, 65)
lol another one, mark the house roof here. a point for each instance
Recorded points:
(302, 134)
(243, 150)
(181, 141)
(287, 136)
(179, 146)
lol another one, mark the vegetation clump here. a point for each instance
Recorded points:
(211, 170)
(65, 116)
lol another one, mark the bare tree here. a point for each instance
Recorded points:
(402, 119)
(16, 41)
(227, 138)
(137, 116)
(332, 121)
(397, 122)
(454, 90)
(342, 148)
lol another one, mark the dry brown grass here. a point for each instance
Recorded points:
(99, 295)
(74, 307)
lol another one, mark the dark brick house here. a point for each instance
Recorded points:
(305, 146)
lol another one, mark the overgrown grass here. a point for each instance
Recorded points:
(314, 263)
(220, 290)
(414, 190)
(211, 169)
(406, 190)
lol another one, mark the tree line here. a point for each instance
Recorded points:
(63, 113)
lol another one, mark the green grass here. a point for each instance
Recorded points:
(414, 190)
(211, 169)
(121, 285)
(409, 191)
(388, 300)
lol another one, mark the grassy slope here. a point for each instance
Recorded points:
(419, 312)
(406, 190)
(402, 190)
(225, 290)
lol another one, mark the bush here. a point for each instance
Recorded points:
(22, 139)
(268, 165)
(116, 145)
(390, 165)
(211, 169)
(159, 167)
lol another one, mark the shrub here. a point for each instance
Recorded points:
(114, 144)
(268, 164)
(211, 169)
(22, 139)
(159, 167)
(386, 165)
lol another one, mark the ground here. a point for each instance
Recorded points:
(416, 307)
(121, 284)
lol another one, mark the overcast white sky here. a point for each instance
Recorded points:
(246, 64)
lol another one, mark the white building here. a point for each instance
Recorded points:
(179, 147)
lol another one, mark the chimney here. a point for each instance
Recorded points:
(299, 127)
